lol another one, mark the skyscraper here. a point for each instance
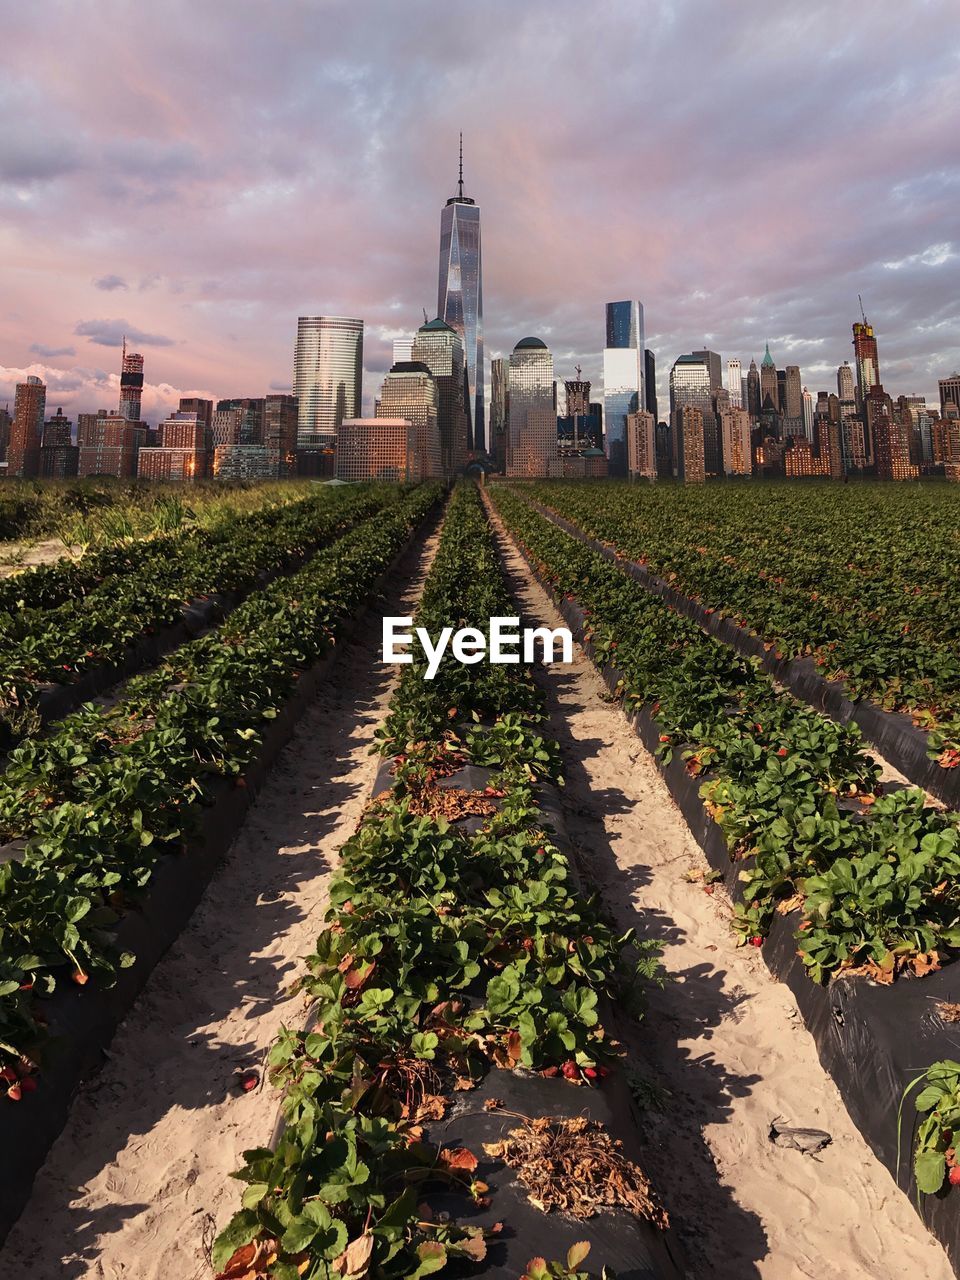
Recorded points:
(327, 373)
(280, 418)
(735, 383)
(131, 384)
(499, 407)
(693, 380)
(753, 390)
(807, 414)
(687, 424)
(846, 387)
(623, 377)
(650, 382)
(769, 382)
(532, 419)
(793, 394)
(29, 405)
(949, 393)
(460, 296)
(866, 359)
(735, 437)
(410, 392)
(438, 346)
(642, 445)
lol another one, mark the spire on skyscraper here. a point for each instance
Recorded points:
(460, 184)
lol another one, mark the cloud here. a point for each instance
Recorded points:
(109, 283)
(51, 353)
(666, 182)
(110, 333)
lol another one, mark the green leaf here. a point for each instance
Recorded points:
(240, 1230)
(930, 1169)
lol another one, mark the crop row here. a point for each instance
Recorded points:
(873, 875)
(111, 789)
(456, 939)
(863, 583)
(98, 629)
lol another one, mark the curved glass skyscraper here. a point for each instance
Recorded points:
(327, 374)
(460, 295)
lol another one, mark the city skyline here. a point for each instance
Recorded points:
(203, 224)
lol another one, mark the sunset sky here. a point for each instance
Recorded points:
(199, 174)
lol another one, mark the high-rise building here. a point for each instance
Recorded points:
(853, 443)
(460, 297)
(251, 422)
(242, 462)
(949, 393)
(280, 420)
(753, 391)
(687, 423)
(892, 450)
(769, 383)
(182, 453)
(131, 384)
(58, 453)
(577, 429)
(499, 408)
(799, 460)
(409, 391)
(108, 445)
(829, 446)
(650, 383)
(866, 359)
(327, 377)
(623, 377)
(694, 381)
(226, 427)
(735, 383)
(641, 445)
(736, 442)
(846, 387)
(807, 414)
(438, 346)
(532, 419)
(29, 405)
(377, 449)
(6, 422)
(403, 348)
(792, 402)
(714, 367)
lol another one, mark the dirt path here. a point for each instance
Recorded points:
(15, 556)
(137, 1184)
(724, 1039)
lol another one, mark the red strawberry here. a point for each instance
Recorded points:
(954, 1176)
(28, 1084)
(782, 752)
(79, 977)
(756, 941)
(248, 1080)
(541, 851)
(8, 1075)
(14, 1093)
(664, 737)
(570, 1070)
(590, 1072)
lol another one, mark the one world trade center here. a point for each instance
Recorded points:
(460, 295)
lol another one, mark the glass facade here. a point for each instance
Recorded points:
(327, 373)
(624, 363)
(460, 299)
(532, 423)
(410, 392)
(438, 346)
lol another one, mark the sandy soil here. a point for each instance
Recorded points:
(137, 1185)
(723, 1038)
(15, 556)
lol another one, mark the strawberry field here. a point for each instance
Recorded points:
(456, 1075)
(861, 578)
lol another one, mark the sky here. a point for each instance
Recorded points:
(198, 174)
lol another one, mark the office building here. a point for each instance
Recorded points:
(641, 445)
(753, 391)
(499, 404)
(532, 418)
(866, 359)
(949, 394)
(460, 298)
(694, 382)
(58, 453)
(403, 348)
(226, 427)
(108, 445)
(846, 386)
(248, 462)
(650, 383)
(687, 423)
(735, 383)
(792, 401)
(131, 384)
(280, 422)
(624, 362)
(769, 384)
(251, 417)
(29, 407)
(438, 346)
(377, 449)
(327, 377)
(736, 433)
(410, 392)
(807, 414)
(181, 453)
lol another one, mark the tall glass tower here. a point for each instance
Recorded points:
(460, 295)
(327, 373)
(623, 378)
